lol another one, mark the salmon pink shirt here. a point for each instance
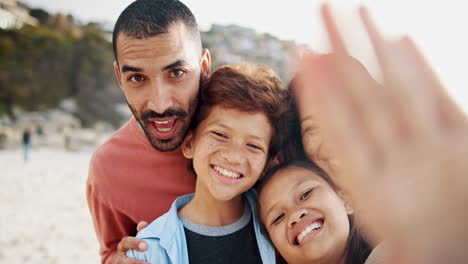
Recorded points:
(129, 181)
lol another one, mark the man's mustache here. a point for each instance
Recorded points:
(170, 112)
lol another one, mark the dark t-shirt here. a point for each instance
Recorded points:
(238, 247)
(235, 243)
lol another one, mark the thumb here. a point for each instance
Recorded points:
(141, 225)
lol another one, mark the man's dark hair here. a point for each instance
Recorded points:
(148, 18)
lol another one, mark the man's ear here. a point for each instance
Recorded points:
(347, 205)
(206, 63)
(117, 73)
(187, 146)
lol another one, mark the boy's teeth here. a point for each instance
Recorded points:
(307, 230)
(224, 172)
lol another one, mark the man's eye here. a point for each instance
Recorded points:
(219, 134)
(137, 78)
(306, 194)
(278, 219)
(176, 73)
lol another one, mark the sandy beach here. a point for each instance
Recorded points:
(44, 213)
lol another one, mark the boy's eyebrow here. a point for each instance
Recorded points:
(228, 127)
(257, 138)
(175, 64)
(127, 68)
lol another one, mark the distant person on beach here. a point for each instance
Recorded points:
(26, 142)
(159, 65)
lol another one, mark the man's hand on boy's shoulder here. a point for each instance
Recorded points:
(130, 242)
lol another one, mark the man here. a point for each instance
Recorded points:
(159, 64)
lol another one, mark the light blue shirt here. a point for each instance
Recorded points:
(165, 236)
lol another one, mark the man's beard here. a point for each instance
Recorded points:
(183, 123)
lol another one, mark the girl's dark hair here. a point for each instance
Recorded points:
(358, 249)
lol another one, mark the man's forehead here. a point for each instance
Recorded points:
(177, 40)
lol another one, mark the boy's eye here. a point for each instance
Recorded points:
(137, 78)
(219, 134)
(278, 219)
(176, 73)
(306, 194)
(254, 146)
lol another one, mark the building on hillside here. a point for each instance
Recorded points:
(237, 44)
(14, 16)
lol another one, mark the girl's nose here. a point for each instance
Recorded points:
(296, 217)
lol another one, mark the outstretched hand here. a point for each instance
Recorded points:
(400, 149)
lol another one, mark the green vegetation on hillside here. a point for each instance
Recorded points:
(42, 65)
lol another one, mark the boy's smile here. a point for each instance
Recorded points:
(226, 175)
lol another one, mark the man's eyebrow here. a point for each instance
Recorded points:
(175, 64)
(127, 68)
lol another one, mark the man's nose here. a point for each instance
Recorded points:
(160, 98)
(296, 217)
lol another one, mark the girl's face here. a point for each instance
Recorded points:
(305, 218)
(229, 150)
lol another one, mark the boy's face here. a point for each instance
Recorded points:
(305, 218)
(229, 151)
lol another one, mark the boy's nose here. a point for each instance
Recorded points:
(233, 154)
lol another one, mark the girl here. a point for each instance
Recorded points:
(235, 133)
(306, 217)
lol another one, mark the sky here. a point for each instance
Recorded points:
(436, 26)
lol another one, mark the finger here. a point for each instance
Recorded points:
(131, 243)
(448, 112)
(319, 95)
(334, 35)
(141, 225)
(371, 104)
(405, 86)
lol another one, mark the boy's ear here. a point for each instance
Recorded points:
(187, 146)
(348, 208)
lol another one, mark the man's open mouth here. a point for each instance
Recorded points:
(164, 128)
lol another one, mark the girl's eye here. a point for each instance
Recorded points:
(137, 78)
(306, 194)
(219, 134)
(177, 73)
(278, 219)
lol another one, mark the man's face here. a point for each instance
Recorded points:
(160, 77)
